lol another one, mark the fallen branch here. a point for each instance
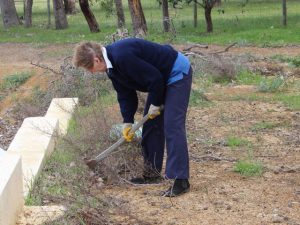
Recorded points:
(199, 55)
(225, 50)
(195, 46)
(283, 169)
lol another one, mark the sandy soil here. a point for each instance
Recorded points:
(218, 195)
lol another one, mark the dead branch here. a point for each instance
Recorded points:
(225, 50)
(198, 55)
(45, 67)
(195, 46)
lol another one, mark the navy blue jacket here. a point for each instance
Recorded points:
(139, 65)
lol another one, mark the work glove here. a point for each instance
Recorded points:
(153, 111)
(127, 133)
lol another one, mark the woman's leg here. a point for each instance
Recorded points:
(176, 104)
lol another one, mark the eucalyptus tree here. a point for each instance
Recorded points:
(138, 18)
(207, 5)
(59, 15)
(120, 13)
(9, 13)
(89, 16)
(28, 13)
(166, 18)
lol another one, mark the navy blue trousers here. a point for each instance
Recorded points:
(169, 128)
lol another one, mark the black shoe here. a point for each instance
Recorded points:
(146, 180)
(179, 187)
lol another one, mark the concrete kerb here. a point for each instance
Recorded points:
(62, 108)
(34, 141)
(11, 188)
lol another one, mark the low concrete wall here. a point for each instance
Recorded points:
(11, 188)
(62, 108)
(34, 141)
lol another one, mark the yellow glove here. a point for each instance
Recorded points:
(153, 111)
(127, 133)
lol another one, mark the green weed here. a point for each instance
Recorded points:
(15, 80)
(198, 98)
(292, 61)
(248, 97)
(248, 168)
(234, 142)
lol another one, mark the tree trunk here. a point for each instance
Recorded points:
(9, 13)
(284, 13)
(195, 14)
(89, 16)
(209, 24)
(69, 6)
(166, 18)
(59, 15)
(28, 13)
(49, 13)
(120, 13)
(138, 18)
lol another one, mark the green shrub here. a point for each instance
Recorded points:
(248, 168)
(271, 85)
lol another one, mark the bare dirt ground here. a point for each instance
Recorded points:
(218, 195)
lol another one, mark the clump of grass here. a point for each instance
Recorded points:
(248, 168)
(14, 80)
(198, 98)
(248, 78)
(271, 85)
(234, 142)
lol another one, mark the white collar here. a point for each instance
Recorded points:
(107, 62)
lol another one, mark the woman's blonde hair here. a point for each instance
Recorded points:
(85, 52)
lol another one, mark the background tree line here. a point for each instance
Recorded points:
(63, 7)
